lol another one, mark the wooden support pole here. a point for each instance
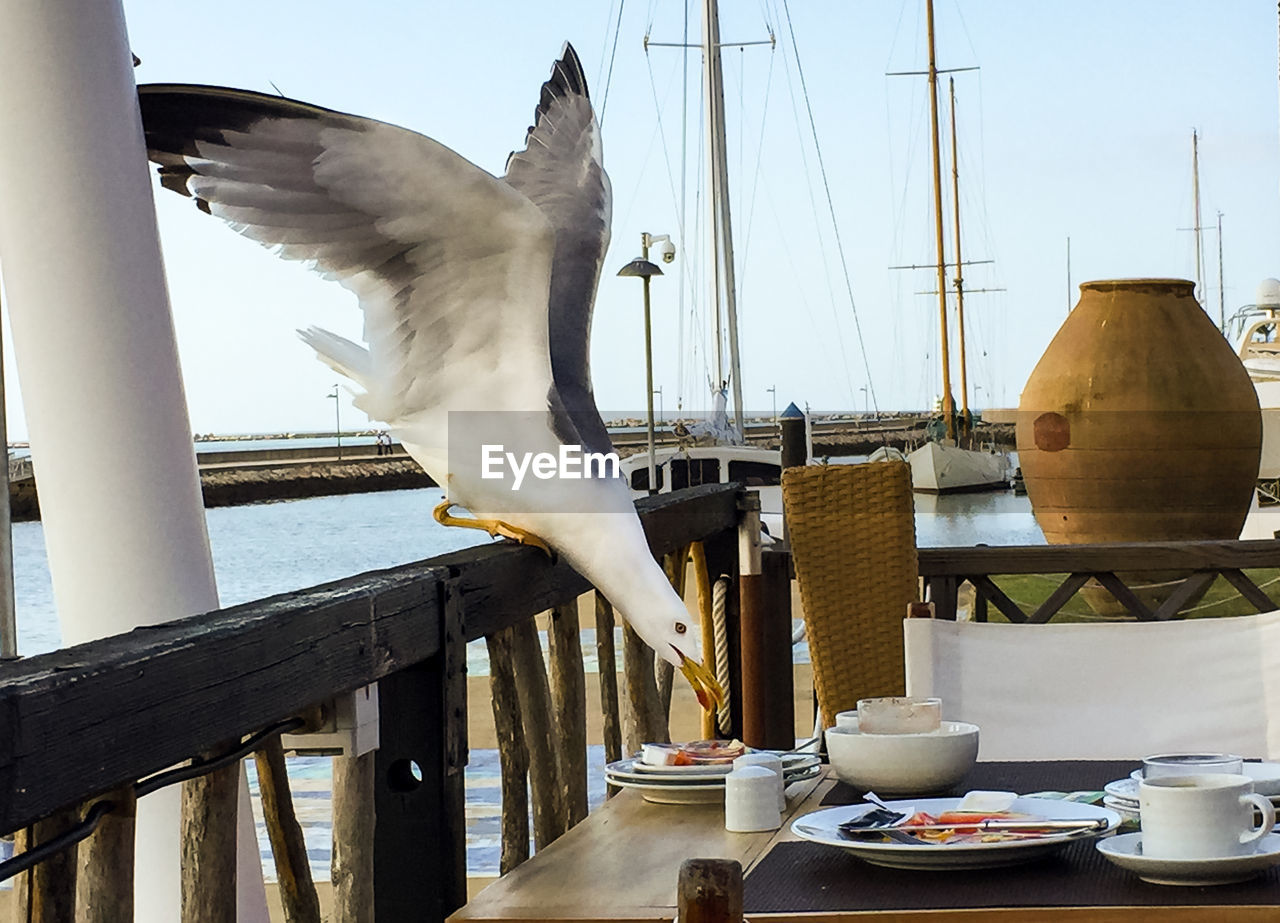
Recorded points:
(351, 868)
(513, 755)
(209, 805)
(104, 887)
(47, 892)
(298, 895)
(569, 700)
(710, 891)
(768, 702)
(607, 664)
(549, 814)
(642, 718)
(419, 843)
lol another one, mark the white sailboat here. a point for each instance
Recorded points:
(943, 466)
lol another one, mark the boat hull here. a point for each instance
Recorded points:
(938, 468)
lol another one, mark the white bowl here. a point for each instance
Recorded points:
(903, 764)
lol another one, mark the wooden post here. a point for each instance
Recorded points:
(794, 450)
(710, 891)
(351, 868)
(569, 699)
(607, 661)
(643, 719)
(293, 868)
(513, 755)
(209, 806)
(47, 892)
(419, 843)
(105, 881)
(549, 814)
(768, 701)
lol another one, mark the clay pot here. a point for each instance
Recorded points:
(1139, 423)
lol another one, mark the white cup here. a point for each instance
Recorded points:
(1206, 816)
(751, 800)
(1190, 764)
(771, 762)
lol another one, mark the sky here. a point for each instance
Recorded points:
(1077, 124)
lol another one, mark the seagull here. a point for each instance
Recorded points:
(476, 292)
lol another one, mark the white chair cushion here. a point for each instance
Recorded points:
(1113, 690)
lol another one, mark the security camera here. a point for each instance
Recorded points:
(668, 251)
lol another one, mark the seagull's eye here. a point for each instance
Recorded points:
(681, 628)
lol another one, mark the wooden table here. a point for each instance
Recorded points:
(622, 864)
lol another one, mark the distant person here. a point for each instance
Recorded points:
(384, 443)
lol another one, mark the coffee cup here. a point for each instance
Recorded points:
(1205, 816)
(1190, 764)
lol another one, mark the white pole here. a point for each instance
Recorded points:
(93, 336)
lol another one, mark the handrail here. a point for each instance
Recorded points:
(82, 720)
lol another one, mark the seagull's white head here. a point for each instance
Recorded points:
(678, 644)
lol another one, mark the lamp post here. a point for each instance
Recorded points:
(774, 392)
(337, 418)
(644, 270)
(865, 400)
(662, 414)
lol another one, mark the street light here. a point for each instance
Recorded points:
(337, 418)
(774, 391)
(662, 414)
(643, 269)
(866, 401)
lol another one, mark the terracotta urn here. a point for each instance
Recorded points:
(1139, 423)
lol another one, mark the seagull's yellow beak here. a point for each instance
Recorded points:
(705, 685)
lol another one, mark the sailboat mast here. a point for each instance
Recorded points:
(722, 275)
(1195, 190)
(955, 201)
(948, 403)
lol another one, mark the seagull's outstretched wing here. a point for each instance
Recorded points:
(450, 264)
(561, 171)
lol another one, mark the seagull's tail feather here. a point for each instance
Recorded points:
(351, 360)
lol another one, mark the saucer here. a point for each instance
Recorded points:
(1266, 781)
(1125, 850)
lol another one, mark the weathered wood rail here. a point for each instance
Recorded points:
(88, 720)
(1189, 568)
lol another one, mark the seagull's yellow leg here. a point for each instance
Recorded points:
(494, 527)
(705, 685)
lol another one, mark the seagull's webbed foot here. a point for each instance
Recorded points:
(705, 685)
(495, 528)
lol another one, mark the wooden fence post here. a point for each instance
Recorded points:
(47, 892)
(209, 806)
(643, 719)
(293, 869)
(569, 701)
(607, 664)
(513, 755)
(351, 868)
(104, 890)
(419, 842)
(549, 812)
(768, 681)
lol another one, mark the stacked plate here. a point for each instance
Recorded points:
(1121, 795)
(702, 784)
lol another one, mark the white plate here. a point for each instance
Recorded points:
(1124, 789)
(1125, 851)
(1126, 810)
(634, 770)
(683, 791)
(823, 827)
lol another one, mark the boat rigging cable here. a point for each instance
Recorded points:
(617, 29)
(844, 263)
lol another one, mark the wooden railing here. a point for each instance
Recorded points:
(93, 719)
(1186, 569)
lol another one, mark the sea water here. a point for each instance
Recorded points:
(264, 549)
